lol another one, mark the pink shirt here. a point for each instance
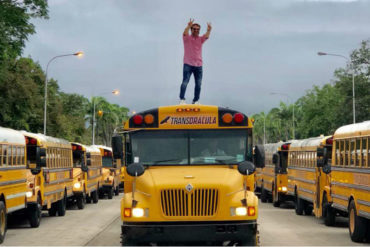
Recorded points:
(193, 49)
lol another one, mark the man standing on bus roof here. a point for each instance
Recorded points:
(193, 58)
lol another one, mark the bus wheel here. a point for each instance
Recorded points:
(116, 191)
(81, 200)
(61, 206)
(3, 222)
(34, 213)
(95, 196)
(263, 195)
(110, 193)
(249, 242)
(328, 212)
(275, 199)
(307, 209)
(126, 242)
(299, 205)
(52, 210)
(356, 225)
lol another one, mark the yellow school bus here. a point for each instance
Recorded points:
(87, 174)
(13, 174)
(189, 176)
(111, 173)
(50, 162)
(350, 178)
(274, 179)
(306, 180)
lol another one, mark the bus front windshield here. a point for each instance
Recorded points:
(190, 147)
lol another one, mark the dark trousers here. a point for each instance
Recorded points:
(198, 73)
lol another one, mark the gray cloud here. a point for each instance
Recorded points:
(256, 47)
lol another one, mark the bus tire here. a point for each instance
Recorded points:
(275, 201)
(34, 214)
(110, 193)
(356, 225)
(95, 196)
(52, 210)
(81, 200)
(263, 195)
(126, 242)
(116, 191)
(299, 205)
(249, 242)
(328, 212)
(307, 209)
(3, 222)
(61, 206)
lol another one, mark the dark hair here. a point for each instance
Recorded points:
(195, 24)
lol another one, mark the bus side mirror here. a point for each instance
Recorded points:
(259, 156)
(117, 147)
(135, 169)
(41, 157)
(246, 168)
(275, 159)
(322, 157)
(88, 162)
(88, 155)
(326, 169)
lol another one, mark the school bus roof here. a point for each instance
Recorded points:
(92, 150)
(309, 144)
(352, 130)
(188, 117)
(272, 147)
(103, 147)
(11, 136)
(48, 141)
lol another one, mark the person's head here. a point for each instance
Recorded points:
(195, 28)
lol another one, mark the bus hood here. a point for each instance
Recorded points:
(211, 176)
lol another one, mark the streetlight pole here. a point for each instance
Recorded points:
(353, 79)
(79, 54)
(291, 99)
(115, 92)
(264, 128)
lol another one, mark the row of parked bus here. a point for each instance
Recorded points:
(326, 175)
(39, 172)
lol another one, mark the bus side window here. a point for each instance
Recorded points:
(368, 152)
(352, 152)
(1, 154)
(358, 152)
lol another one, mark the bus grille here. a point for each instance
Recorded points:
(179, 202)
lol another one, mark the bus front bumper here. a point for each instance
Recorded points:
(175, 232)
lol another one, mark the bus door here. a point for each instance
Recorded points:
(128, 160)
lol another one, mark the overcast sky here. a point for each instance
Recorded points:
(256, 47)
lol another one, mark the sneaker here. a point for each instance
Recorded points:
(182, 102)
(196, 103)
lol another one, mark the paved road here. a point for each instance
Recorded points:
(99, 224)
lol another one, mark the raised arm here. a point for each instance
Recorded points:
(186, 31)
(209, 28)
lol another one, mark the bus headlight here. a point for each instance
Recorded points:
(241, 211)
(77, 185)
(29, 194)
(284, 189)
(137, 212)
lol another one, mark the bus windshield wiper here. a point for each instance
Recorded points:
(160, 161)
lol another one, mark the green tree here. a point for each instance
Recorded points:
(16, 26)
